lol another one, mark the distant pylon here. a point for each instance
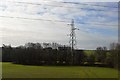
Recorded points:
(72, 41)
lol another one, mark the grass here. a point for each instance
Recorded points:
(89, 52)
(21, 71)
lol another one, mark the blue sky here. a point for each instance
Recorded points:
(87, 18)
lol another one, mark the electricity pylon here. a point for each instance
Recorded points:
(72, 41)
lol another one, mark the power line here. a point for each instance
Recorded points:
(60, 6)
(82, 4)
(96, 24)
(89, 4)
(34, 19)
(56, 20)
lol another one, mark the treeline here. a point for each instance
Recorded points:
(104, 57)
(42, 54)
(56, 54)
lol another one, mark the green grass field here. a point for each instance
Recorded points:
(21, 71)
(89, 52)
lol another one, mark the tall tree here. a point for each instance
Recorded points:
(101, 54)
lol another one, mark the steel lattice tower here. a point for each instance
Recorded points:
(72, 41)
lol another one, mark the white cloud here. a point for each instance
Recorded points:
(92, 41)
(19, 31)
(22, 30)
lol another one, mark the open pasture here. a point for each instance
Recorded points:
(24, 71)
